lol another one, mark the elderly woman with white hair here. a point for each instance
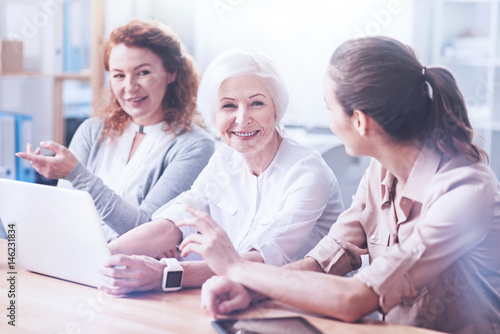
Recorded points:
(273, 197)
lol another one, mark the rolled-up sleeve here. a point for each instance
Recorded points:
(340, 251)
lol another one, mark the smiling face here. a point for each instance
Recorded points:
(139, 82)
(246, 116)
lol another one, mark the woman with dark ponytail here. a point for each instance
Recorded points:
(427, 210)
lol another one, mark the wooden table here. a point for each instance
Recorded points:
(48, 305)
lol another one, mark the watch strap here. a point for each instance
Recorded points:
(171, 263)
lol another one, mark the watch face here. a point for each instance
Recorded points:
(174, 279)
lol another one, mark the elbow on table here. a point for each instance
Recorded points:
(350, 316)
(356, 302)
(350, 313)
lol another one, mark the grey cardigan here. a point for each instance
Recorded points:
(175, 171)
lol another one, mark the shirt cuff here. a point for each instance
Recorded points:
(175, 212)
(389, 276)
(271, 254)
(77, 173)
(328, 253)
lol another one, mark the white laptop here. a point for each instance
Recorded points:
(58, 231)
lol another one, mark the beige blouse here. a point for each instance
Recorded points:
(438, 265)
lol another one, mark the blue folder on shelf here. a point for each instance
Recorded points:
(16, 130)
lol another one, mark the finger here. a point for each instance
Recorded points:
(186, 222)
(200, 214)
(229, 305)
(204, 224)
(53, 146)
(117, 260)
(172, 253)
(168, 254)
(192, 238)
(24, 155)
(38, 161)
(29, 148)
(209, 299)
(38, 151)
(114, 291)
(192, 247)
(114, 272)
(124, 282)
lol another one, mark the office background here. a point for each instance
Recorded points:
(62, 70)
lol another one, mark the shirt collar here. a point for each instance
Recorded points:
(274, 163)
(423, 170)
(147, 128)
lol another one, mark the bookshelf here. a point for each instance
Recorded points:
(465, 40)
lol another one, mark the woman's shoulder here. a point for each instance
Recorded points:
(91, 128)
(460, 170)
(93, 124)
(295, 157)
(192, 140)
(195, 134)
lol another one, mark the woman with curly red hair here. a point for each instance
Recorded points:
(144, 147)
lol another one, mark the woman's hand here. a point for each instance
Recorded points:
(52, 167)
(173, 253)
(219, 295)
(124, 273)
(212, 244)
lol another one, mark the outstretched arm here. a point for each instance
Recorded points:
(219, 295)
(340, 297)
(126, 273)
(152, 239)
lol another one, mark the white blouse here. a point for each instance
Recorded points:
(283, 213)
(124, 176)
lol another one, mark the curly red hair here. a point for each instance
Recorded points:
(179, 102)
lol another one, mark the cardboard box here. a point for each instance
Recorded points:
(11, 56)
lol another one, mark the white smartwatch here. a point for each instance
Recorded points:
(172, 275)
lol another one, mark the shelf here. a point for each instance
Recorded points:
(61, 76)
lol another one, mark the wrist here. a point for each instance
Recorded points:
(236, 272)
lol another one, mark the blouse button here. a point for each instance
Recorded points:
(415, 251)
(373, 237)
(403, 202)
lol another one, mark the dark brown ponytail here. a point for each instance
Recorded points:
(383, 78)
(449, 124)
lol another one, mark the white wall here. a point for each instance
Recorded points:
(300, 36)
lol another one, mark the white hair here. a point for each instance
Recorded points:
(237, 62)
